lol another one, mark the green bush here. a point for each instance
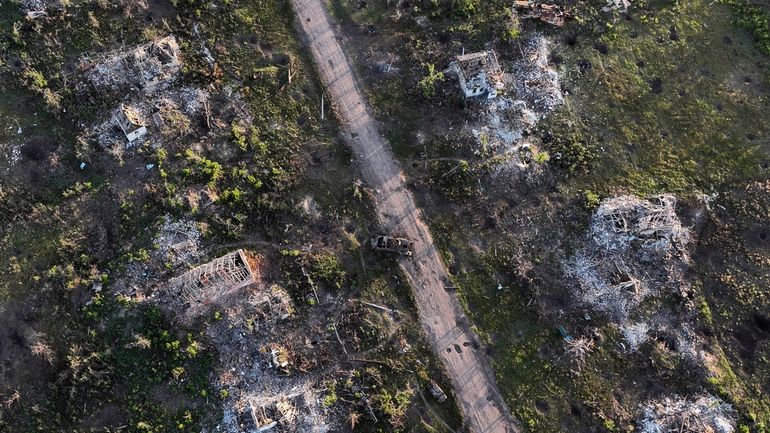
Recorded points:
(35, 79)
(328, 269)
(428, 83)
(464, 8)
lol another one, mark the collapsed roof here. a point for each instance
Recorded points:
(147, 67)
(218, 277)
(702, 414)
(635, 248)
(479, 73)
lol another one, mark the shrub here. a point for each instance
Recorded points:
(428, 83)
(395, 406)
(328, 269)
(35, 79)
(464, 8)
(755, 19)
(239, 136)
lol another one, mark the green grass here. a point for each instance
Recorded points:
(662, 112)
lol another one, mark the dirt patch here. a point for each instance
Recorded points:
(160, 9)
(38, 148)
(758, 236)
(107, 418)
(762, 323)
(19, 369)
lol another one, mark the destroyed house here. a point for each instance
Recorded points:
(279, 414)
(223, 275)
(130, 123)
(547, 13)
(145, 67)
(478, 73)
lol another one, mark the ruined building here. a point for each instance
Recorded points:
(635, 251)
(702, 413)
(145, 67)
(207, 282)
(478, 73)
(284, 413)
(130, 123)
(547, 13)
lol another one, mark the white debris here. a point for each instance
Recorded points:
(132, 124)
(701, 414)
(653, 223)
(178, 241)
(635, 334)
(618, 5)
(532, 90)
(536, 82)
(149, 67)
(634, 250)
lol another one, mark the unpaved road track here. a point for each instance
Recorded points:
(442, 318)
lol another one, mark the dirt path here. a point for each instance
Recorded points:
(442, 318)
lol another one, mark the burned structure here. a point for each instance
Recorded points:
(635, 250)
(130, 123)
(163, 118)
(286, 413)
(146, 67)
(34, 9)
(479, 74)
(205, 283)
(547, 13)
(702, 414)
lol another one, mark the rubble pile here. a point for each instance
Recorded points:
(34, 9)
(281, 413)
(148, 67)
(652, 225)
(153, 109)
(174, 111)
(548, 13)
(261, 342)
(178, 242)
(635, 249)
(618, 5)
(536, 82)
(702, 414)
(267, 390)
(533, 92)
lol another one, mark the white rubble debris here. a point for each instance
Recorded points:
(178, 241)
(147, 117)
(148, 67)
(619, 221)
(531, 91)
(701, 414)
(635, 334)
(635, 249)
(619, 5)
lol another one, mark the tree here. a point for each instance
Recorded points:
(428, 83)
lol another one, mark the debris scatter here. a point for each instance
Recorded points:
(702, 414)
(635, 250)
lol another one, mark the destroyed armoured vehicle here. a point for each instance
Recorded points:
(401, 246)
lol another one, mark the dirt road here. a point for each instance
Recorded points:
(442, 318)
